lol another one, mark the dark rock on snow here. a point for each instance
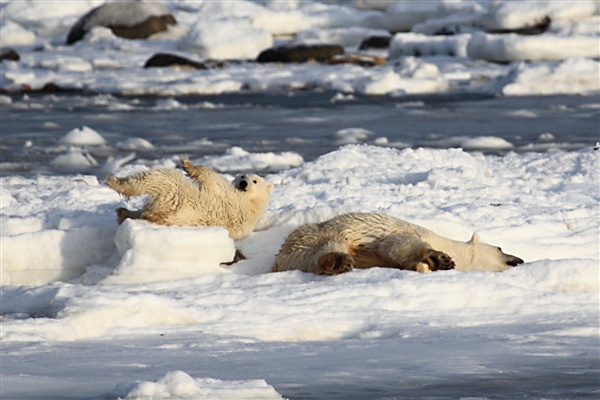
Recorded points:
(300, 53)
(8, 54)
(159, 60)
(127, 19)
(375, 42)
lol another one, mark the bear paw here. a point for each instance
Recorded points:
(334, 264)
(123, 214)
(186, 164)
(437, 261)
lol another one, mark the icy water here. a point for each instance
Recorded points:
(309, 123)
(501, 367)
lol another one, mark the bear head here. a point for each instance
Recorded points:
(253, 185)
(490, 258)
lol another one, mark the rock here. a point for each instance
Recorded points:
(8, 54)
(159, 60)
(300, 53)
(535, 28)
(127, 19)
(375, 42)
(364, 60)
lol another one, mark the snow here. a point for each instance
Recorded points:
(82, 136)
(92, 309)
(240, 30)
(158, 253)
(226, 40)
(519, 14)
(71, 274)
(178, 384)
(535, 48)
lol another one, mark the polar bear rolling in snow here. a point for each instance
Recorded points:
(361, 240)
(208, 200)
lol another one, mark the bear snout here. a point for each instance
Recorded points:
(513, 261)
(243, 184)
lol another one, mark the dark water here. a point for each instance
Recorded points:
(303, 122)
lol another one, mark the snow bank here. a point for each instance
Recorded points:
(414, 44)
(178, 384)
(14, 34)
(238, 159)
(504, 48)
(41, 246)
(152, 253)
(226, 40)
(575, 76)
(520, 14)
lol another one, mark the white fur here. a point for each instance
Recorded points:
(370, 240)
(209, 201)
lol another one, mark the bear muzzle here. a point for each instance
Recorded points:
(513, 261)
(242, 184)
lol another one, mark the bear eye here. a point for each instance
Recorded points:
(499, 248)
(254, 181)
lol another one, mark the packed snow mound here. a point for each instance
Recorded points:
(509, 15)
(40, 246)
(505, 48)
(14, 34)
(82, 136)
(179, 385)
(414, 44)
(238, 159)
(223, 40)
(151, 252)
(573, 76)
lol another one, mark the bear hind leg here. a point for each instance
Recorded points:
(334, 263)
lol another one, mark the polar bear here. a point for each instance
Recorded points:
(208, 201)
(362, 240)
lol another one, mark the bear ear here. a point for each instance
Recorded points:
(474, 238)
(270, 186)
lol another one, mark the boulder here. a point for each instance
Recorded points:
(126, 19)
(375, 42)
(160, 60)
(8, 54)
(300, 53)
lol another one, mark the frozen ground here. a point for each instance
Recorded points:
(91, 310)
(149, 309)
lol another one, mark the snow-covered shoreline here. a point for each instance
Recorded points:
(475, 57)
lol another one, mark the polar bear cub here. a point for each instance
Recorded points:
(208, 200)
(361, 240)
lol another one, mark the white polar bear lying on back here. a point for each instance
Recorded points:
(360, 240)
(207, 200)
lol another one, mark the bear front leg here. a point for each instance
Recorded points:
(408, 251)
(435, 261)
(203, 175)
(334, 264)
